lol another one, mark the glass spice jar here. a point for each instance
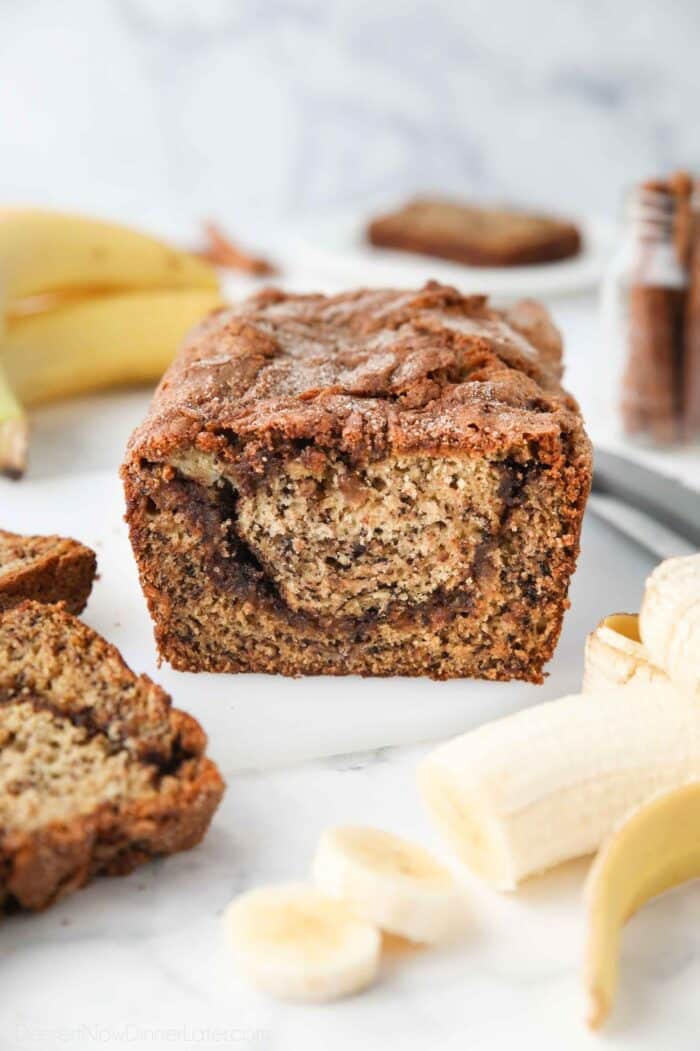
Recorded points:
(691, 331)
(647, 312)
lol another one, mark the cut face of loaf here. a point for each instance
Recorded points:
(45, 568)
(405, 500)
(98, 773)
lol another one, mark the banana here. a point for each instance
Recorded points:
(295, 943)
(88, 344)
(397, 885)
(13, 428)
(519, 795)
(43, 252)
(615, 656)
(656, 847)
(669, 620)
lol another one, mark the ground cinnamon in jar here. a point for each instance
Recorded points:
(655, 288)
(651, 396)
(691, 338)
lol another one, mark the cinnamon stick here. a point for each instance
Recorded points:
(221, 251)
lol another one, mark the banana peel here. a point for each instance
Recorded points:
(615, 655)
(45, 251)
(106, 341)
(655, 848)
(50, 259)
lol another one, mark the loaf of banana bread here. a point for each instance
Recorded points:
(374, 483)
(98, 773)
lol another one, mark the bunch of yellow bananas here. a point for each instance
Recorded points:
(85, 305)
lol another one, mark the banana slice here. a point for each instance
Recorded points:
(395, 884)
(669, 620)
(615, 656)
(655, 848)
(549, 783)
(297, 944)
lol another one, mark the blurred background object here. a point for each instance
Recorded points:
(278, 112)
(292, 123)
(650, 310)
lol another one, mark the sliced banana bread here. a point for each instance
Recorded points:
(45, 568)
(475, 235)
(98, 773)
(374, 483)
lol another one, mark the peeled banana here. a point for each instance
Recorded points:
(655, 848)
(669, 621)
(295, 943)
(523, 793)
(615, 655)
(44, 253)
(395, 884)
(104, 341)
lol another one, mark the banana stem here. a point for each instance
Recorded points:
(13, 432)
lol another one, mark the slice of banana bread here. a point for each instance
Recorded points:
(382, 483)
(474, 235)
(45, 568)
(98, 773)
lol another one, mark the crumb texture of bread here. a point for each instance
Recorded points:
(46, 569)
(374, 483)
(477, 236)
(98, 772)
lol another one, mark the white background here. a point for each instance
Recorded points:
(266, 112)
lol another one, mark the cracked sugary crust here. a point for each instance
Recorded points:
(40, 866)
(365, 373)
(363, 376)
(45, 568)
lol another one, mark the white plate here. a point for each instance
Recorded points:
(338, 247)
(264, 720)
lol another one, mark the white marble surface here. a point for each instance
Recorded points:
(268, 113)
(142, 961)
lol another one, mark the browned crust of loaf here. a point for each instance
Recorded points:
(64, 571)
(366, 375)
(43, 866)
(39, 867)
(554, 240)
